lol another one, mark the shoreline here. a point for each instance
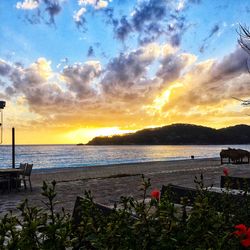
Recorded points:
(104, 171)
(88, 167)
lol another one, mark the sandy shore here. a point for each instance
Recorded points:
(108, 183)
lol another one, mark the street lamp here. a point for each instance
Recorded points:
(2, 105)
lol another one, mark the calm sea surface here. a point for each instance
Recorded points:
(63, 156)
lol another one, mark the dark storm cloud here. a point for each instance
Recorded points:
(213, 32)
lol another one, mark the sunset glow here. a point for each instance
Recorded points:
(73, 70)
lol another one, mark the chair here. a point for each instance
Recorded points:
(22, 166)
(15, 179)
(26, 173)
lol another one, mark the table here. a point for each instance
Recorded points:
(11, 176)
(10, 171)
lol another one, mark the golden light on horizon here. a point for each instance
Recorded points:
(83, 135)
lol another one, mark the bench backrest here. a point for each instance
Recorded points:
(235, 182)
(78, 209)
(177, 193)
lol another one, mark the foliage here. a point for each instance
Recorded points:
(132, 224)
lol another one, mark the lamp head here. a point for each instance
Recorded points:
(2, 104)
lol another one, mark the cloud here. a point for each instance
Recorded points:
(79, 19)
(129, 78)
(149, 11)
(172, 66)
(109, 15)
(5, 68)
(40, 10)
(213, 83)
(80, 78)
(212, 32)
(28, 4)
(97, 4)
(63, 61)
(53, 8)
(231, 65)
(152, 85)
(123, 29)
(35, 85)
(195, 1)
(78, 15)
(151, 20)
(125, 76)
(91, 52)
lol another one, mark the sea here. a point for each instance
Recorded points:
(68, 156)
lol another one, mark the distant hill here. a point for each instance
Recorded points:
(179, 134)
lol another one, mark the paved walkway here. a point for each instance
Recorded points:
(110, 182)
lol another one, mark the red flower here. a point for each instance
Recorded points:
(244, 234)
(155, 194)
(245, 243)
(225, 171)
(248, 233)
(241, 227)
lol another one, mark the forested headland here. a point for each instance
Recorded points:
(179, 134)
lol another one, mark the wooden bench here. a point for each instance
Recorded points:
(78, 210)
(215, 194)
(234, 182)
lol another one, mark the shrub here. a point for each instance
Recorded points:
(132, 224)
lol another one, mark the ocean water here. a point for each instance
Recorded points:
(65, 156)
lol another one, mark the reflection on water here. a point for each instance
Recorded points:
(60, 156)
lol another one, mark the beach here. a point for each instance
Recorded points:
(108, 183)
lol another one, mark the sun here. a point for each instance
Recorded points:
(84, 135)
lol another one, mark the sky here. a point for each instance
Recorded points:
(71, 70)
